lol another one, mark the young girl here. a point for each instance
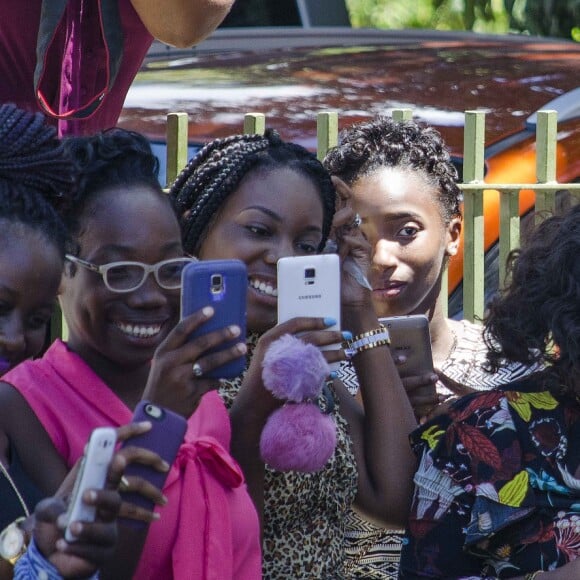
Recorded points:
(404, 188)
(120, 296)
(258, 199)
(36, 182)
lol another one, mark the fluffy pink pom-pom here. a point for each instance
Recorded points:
(293, 369)
(298, 437)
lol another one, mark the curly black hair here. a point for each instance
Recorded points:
(199, 192)
(537, 317)
(369, 146)
(36, 175)
(111, 158)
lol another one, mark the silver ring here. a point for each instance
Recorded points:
(123, 484)
(356, 221)
(197, 370)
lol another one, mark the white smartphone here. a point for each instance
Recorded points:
(410, 337)
(310, 286)
(92, 475)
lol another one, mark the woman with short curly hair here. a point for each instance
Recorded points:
(405, 190)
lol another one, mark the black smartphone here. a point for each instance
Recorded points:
(222, 284)
(164, 438)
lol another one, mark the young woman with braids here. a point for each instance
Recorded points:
(36, 184)
(258, 199)
(404, 187)
(120, 298)
(498, 488)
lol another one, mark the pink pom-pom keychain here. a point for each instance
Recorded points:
(298, 436)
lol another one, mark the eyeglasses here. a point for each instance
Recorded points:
(129, 276)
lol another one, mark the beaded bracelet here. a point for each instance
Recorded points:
(366, 341)
(533, 575)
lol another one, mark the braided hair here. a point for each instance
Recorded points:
(201, 189)
(36, 175)
(109, 159)
(537, 317)
(367, 147)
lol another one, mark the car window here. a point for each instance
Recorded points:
(262, 13)
(160, 151)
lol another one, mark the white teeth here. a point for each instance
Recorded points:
(264, 287)
(139, 331)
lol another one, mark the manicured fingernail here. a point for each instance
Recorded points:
(61, 545)
(234, 330)
(165, 466)
(207, 311)
(91, 496)
(155, 516)
(346, 334)
(164, 500)
(333, 375)
(242, 348)
(328, 321)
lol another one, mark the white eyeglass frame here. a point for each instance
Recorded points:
(147, 269)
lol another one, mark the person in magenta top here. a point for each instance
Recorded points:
(125, 343)
(76, 57)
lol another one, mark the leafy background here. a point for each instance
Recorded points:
(538, 17)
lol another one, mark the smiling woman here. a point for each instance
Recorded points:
(258, 199)
(120, 295)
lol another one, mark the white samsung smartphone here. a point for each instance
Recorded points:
(410, 337)
(310, 286)
(92, 475)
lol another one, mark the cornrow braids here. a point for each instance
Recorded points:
(36, 175)
(367, 147)
(111, 158)
(201, 189)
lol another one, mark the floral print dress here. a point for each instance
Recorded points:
(496, 493)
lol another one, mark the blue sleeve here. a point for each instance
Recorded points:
(34, 566)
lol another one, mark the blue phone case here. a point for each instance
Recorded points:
(222, 284)
(164, 438)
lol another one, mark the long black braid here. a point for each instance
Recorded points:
(367, 147)
(201, 189)
(36, 175)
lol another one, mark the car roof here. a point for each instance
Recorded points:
(290, 74)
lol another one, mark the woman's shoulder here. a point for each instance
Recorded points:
(496, 415)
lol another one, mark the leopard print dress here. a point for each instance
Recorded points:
(304, 513)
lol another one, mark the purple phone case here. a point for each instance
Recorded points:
(229, 304)
(164, 438)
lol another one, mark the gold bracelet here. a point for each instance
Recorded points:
(366, 341)
(533, 575)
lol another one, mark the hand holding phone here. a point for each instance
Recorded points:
(410, 338)
(164, 438)
(310, 286)
(222, 284)
(92, 475)
(411, 341)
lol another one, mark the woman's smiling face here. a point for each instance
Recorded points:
(274, 213)
(402, 220)
(131, 223)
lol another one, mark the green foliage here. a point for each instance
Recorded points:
(541, 17)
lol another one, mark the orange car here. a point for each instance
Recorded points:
(291, 74)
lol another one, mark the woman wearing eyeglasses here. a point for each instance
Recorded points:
(120, 295)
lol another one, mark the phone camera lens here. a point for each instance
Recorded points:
(153, 411)
(216, 283)
(309, 273)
